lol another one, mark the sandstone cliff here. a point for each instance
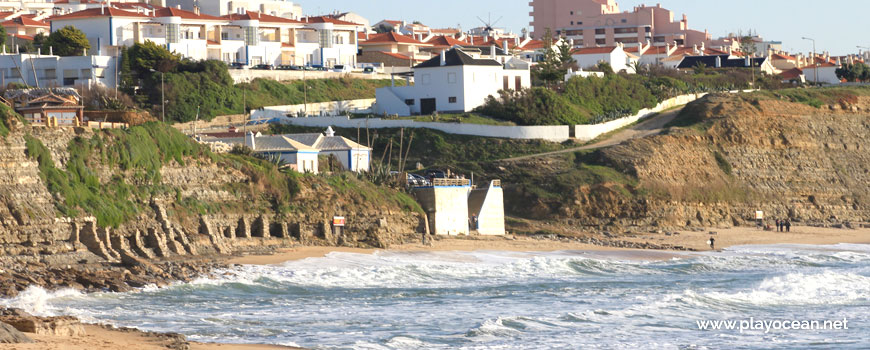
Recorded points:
(726, 157)
(103, 212)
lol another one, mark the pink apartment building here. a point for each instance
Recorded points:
(592, 23)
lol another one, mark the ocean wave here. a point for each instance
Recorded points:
(829, 287)
(36, 300)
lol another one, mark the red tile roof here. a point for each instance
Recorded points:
(174, 12)
(446, 31)
(211, 42)
(252, 15)
(21, 36)
(395, 23)
(390, 37)
(23, 21)
(791, 74)
(98, 12)
(325, 19)
(5, 15)
(593, 50)
(445, 41)
(777, 56)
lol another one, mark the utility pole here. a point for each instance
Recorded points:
(162, 96)
(815, 66)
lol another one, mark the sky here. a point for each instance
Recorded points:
(838, 27)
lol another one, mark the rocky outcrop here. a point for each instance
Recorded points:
(170, 237)
(10, 335)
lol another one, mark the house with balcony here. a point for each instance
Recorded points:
(25, 27)
(454, 81)
(246, 37)
(47, 70)
(50, 107)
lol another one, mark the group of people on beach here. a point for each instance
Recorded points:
(783, 225)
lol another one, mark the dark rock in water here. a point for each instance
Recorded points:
(10, 335)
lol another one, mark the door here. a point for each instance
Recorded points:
(427, 106)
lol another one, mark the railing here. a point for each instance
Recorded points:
(450, 182)
(495, 183)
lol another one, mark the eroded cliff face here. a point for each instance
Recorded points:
(168, 238)
(743, 154)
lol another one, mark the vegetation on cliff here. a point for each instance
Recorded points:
(8, 118)
(599, 99)
(206, 87)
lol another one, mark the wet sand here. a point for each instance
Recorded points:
(698, 240)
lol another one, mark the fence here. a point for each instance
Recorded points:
(555, 133)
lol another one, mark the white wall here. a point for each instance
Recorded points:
(589, 132)
(490, 221)
(319, 108)
(827, 75)
(555, 133)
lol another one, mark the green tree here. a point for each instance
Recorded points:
(747, 45)
(68, 41)
(555, 63)
(382, 29)
(143, 57)
(2, 35)
(699, 68)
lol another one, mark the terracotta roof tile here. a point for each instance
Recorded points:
(23, 21)
(325, 19)
(98, 12)
(391, 37)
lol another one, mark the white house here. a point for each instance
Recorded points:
(352, 156)
(590, 57)
(247, 37)
(825, 73)
(298, 156)
(278, 8)
(55, 71)
(454, 81)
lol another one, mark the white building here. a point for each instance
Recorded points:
(452, 82)
(590, 57)
(278, 148)
(825, 73)
(55, 71)
(352, 156)
(29, 6)
(246, 38)
(278, 8)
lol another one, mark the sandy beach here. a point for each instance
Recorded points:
(691, 239)
(98, 337)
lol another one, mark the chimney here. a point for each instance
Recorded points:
(250, 140)
(472, 39)
(196, 10)
(50, 50)
(443, 57)
(492, 51)
(505, 45)
(748, 61)
(718, 61)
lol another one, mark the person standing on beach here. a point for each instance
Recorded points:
(787, 225)
(778, 223)
(712, 242)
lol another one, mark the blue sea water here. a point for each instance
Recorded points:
(506, 300)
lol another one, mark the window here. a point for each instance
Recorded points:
(580, 23)
(251, 36)
(326, 39)
(572, 23)
(679, 41)
(172, 33)
(659, 39)
(647, 29)
(623, 20)
(624, 30)
(409, 102)
(599, 31)
(574, 32)
(558, 32)
(225, 36)
(451, 99)
(451, 78)
(50, 74)
(572, 13)
(600, 41)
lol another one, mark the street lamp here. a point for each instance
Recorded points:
(162, 97)
(815, 66)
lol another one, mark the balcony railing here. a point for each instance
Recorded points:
(450, 182)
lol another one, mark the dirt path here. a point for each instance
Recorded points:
(650, 126)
